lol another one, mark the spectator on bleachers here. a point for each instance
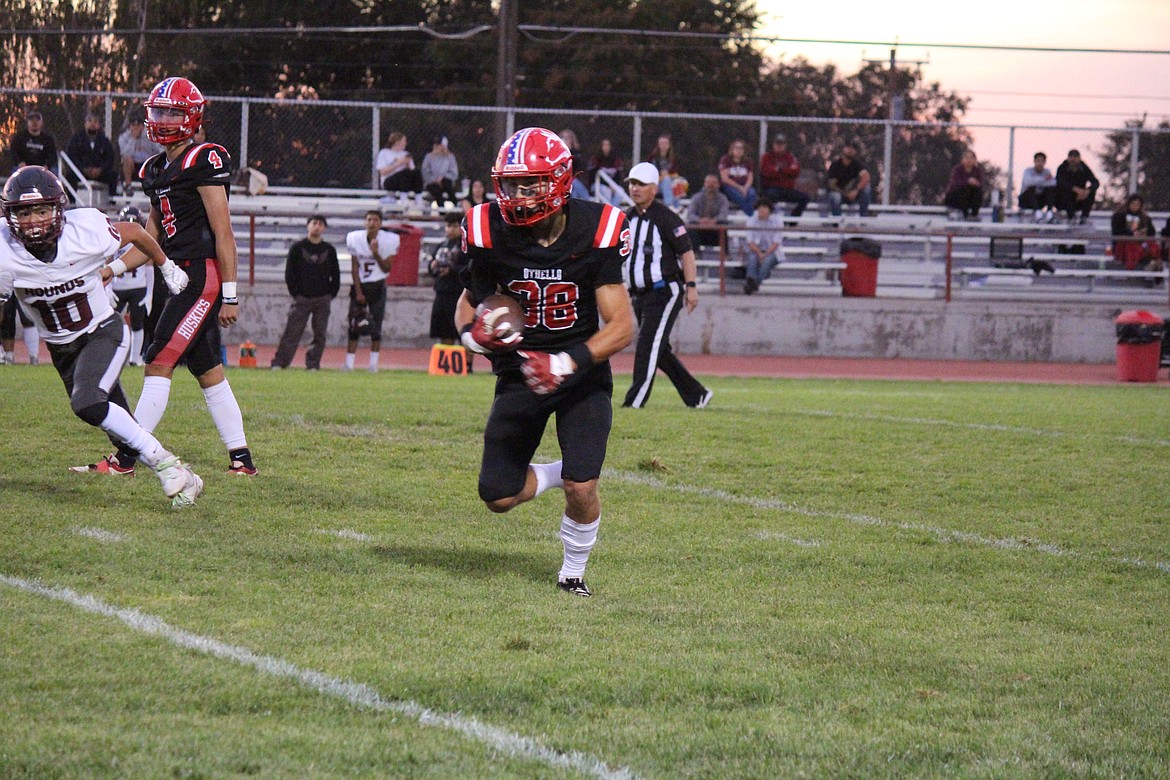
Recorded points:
(779, 170)
(1076, 188)
(736, 177)
(440, 171)
(605, 160)
(765, 246)
(579, 164)
(476, 194)
(708, 208)
(32, 145)
(313, 277)
(848, 182)
(1131, 221)
(396, 166)
(1037, 188)
(93, 154)
(671, 186)
(965, 191)
(135, 148)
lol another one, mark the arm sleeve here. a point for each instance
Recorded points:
(334, 273)
(290, 272)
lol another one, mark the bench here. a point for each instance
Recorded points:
(1091, 275)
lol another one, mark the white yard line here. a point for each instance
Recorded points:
(346, 533)
(942, 534)
(780, 537)
(355, 693)
(99, 534)
(991, 427)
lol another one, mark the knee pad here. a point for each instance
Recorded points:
(94, 414)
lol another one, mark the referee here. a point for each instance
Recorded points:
(660, 273)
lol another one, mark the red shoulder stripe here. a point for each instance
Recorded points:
(478, 227)
(608, 227)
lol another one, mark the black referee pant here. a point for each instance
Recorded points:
(656, 310)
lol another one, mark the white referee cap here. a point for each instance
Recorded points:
(644, 173)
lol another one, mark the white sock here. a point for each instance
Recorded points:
(374, 361)
(121, 425)
(32, 342)
(136, 346)
(547, 475)
(578, 540)
(226, 414)
(349, 357)
(152, 404)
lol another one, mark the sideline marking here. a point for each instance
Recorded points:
(942, 534)
(993, 427)
(782, 537)
(346, 533)
(355, 693)
(100, 534)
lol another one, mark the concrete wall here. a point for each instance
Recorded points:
(828, 326)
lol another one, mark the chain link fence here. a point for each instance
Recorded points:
(332, 144)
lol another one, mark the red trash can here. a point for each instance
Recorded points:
(859, 277)
(1139, 346)
(404, 270)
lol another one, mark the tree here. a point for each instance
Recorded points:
(1153, 164)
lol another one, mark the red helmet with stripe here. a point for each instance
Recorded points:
(532, 176)
(174, 111)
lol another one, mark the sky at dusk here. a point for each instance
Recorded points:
(1007, 88)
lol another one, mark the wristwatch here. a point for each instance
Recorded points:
(691, 284)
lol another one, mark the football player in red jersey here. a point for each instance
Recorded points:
(56, 265)
(188, 187)
(562, 260)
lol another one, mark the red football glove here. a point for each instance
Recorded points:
(544, 372)
(484, 336)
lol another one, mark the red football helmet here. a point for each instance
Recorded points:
(174, 111)
(33, 185)
(532, 176)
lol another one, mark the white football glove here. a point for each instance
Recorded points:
(175, 277)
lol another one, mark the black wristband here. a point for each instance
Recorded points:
(581, 356)
(691, 285)
(231, 301)
(466, 328)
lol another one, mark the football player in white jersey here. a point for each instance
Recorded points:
(372, 252)
(54, 264)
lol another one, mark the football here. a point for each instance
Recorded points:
(503, 313)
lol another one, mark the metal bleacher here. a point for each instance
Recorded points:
(914, 261)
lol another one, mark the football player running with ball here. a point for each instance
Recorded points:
(561, 259)
(188, 188)
(55, 265)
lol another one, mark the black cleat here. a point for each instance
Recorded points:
(576, 586)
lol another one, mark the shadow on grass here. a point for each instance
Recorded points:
(471, 562)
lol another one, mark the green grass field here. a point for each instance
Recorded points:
(808, 579)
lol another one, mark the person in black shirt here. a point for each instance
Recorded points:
(849, 182)
(313, 277)
(93, 154)
(1076, 188)
(445, 265)
(33, 146)
(560, 258)
(660, 274)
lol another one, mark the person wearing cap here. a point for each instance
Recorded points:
(779, 170)
(440, 171)
(660, 273)
(135, 148)
(313, 277)
(93, 154)
(32, 145)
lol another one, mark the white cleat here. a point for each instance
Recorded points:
(179, 483)
(187, 495)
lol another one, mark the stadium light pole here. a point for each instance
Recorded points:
(506, 68)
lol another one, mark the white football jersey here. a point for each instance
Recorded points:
(65, 297)
(137, 279)
(359, 248)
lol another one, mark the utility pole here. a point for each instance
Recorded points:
(140, 51)
(896, 103)
(506, 68)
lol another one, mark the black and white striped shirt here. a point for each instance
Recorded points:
(658, 239)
